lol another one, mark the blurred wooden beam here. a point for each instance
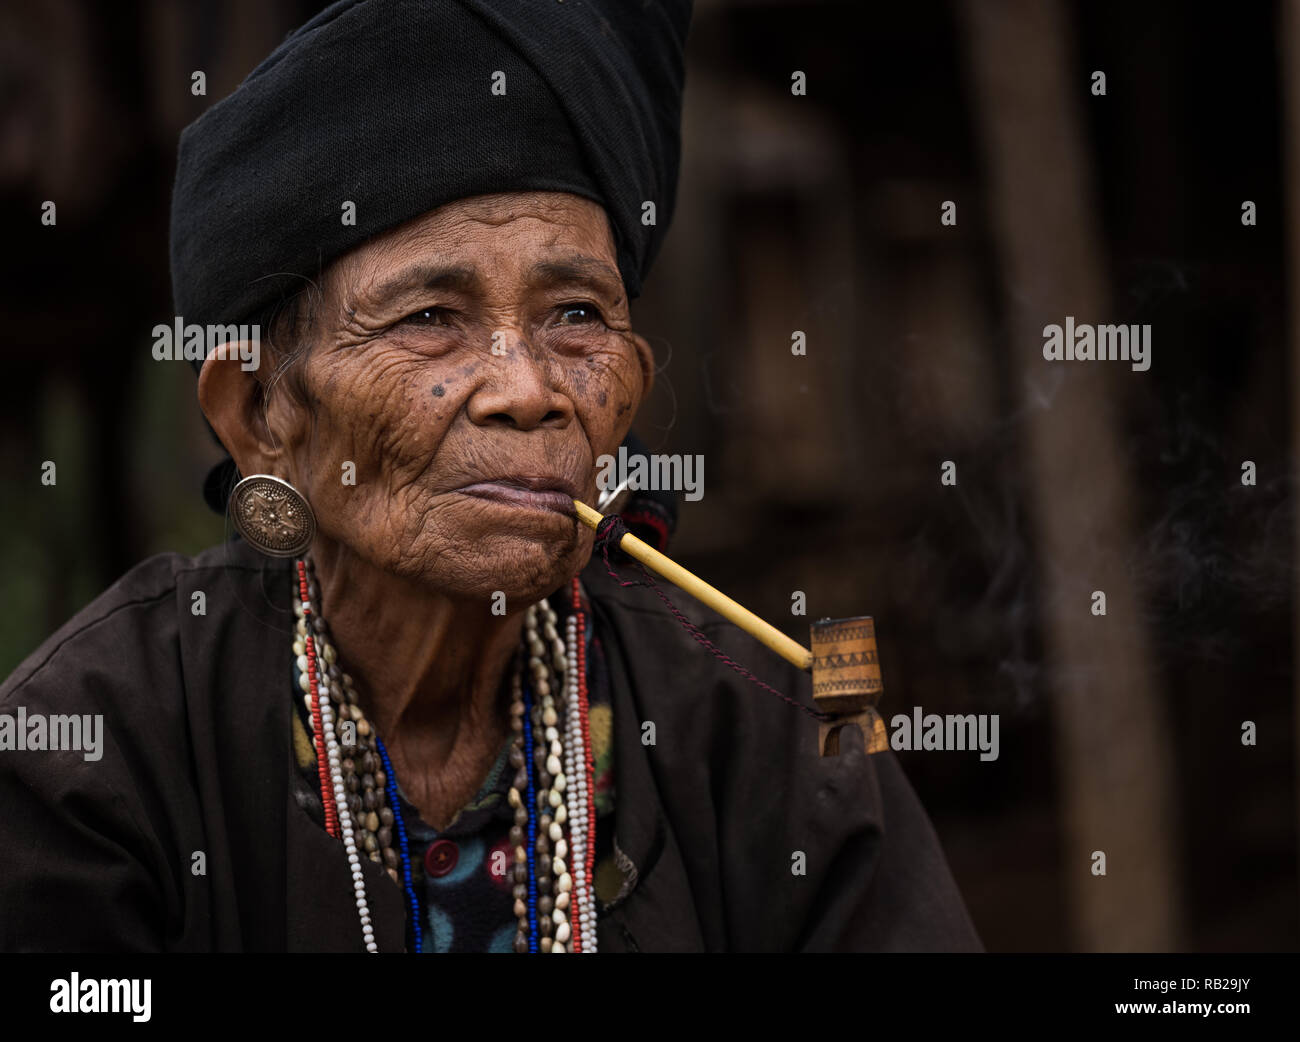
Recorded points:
(1113, 751)
(1288, 59)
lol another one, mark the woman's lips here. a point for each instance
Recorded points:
(513, 495)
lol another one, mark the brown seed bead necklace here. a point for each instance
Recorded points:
(547, 904)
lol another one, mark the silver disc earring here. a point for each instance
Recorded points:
(272, 516)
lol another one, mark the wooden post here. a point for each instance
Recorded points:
(1112, 744)
(1288, 56)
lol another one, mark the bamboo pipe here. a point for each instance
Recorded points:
(790, 650)
(846, 682)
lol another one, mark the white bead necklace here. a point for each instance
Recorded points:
(563, 800)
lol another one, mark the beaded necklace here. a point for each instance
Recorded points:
(554, 814)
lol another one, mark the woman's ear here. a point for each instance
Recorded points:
(231, 398)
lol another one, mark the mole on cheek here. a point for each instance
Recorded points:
(438, 390)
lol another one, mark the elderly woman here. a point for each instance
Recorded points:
(399, 712)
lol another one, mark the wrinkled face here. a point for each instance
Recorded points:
(472, 364)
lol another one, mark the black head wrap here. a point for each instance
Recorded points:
(400, 106)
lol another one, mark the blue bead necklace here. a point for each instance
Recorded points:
(395, 805)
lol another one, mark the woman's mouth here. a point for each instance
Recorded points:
(524, 494)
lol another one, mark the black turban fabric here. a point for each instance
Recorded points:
(390, 105)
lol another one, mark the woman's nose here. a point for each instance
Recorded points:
(518, 391)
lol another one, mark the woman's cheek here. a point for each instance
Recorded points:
(609, 378)
(395, 420)
(330, 457)
(619, 398)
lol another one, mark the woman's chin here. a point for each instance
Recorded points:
(522, 567)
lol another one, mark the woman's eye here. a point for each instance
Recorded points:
(427, 317)
(579, 314)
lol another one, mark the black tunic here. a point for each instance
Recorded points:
(100, 855)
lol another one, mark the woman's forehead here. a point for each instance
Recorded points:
(543, 236)
(513, 213)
